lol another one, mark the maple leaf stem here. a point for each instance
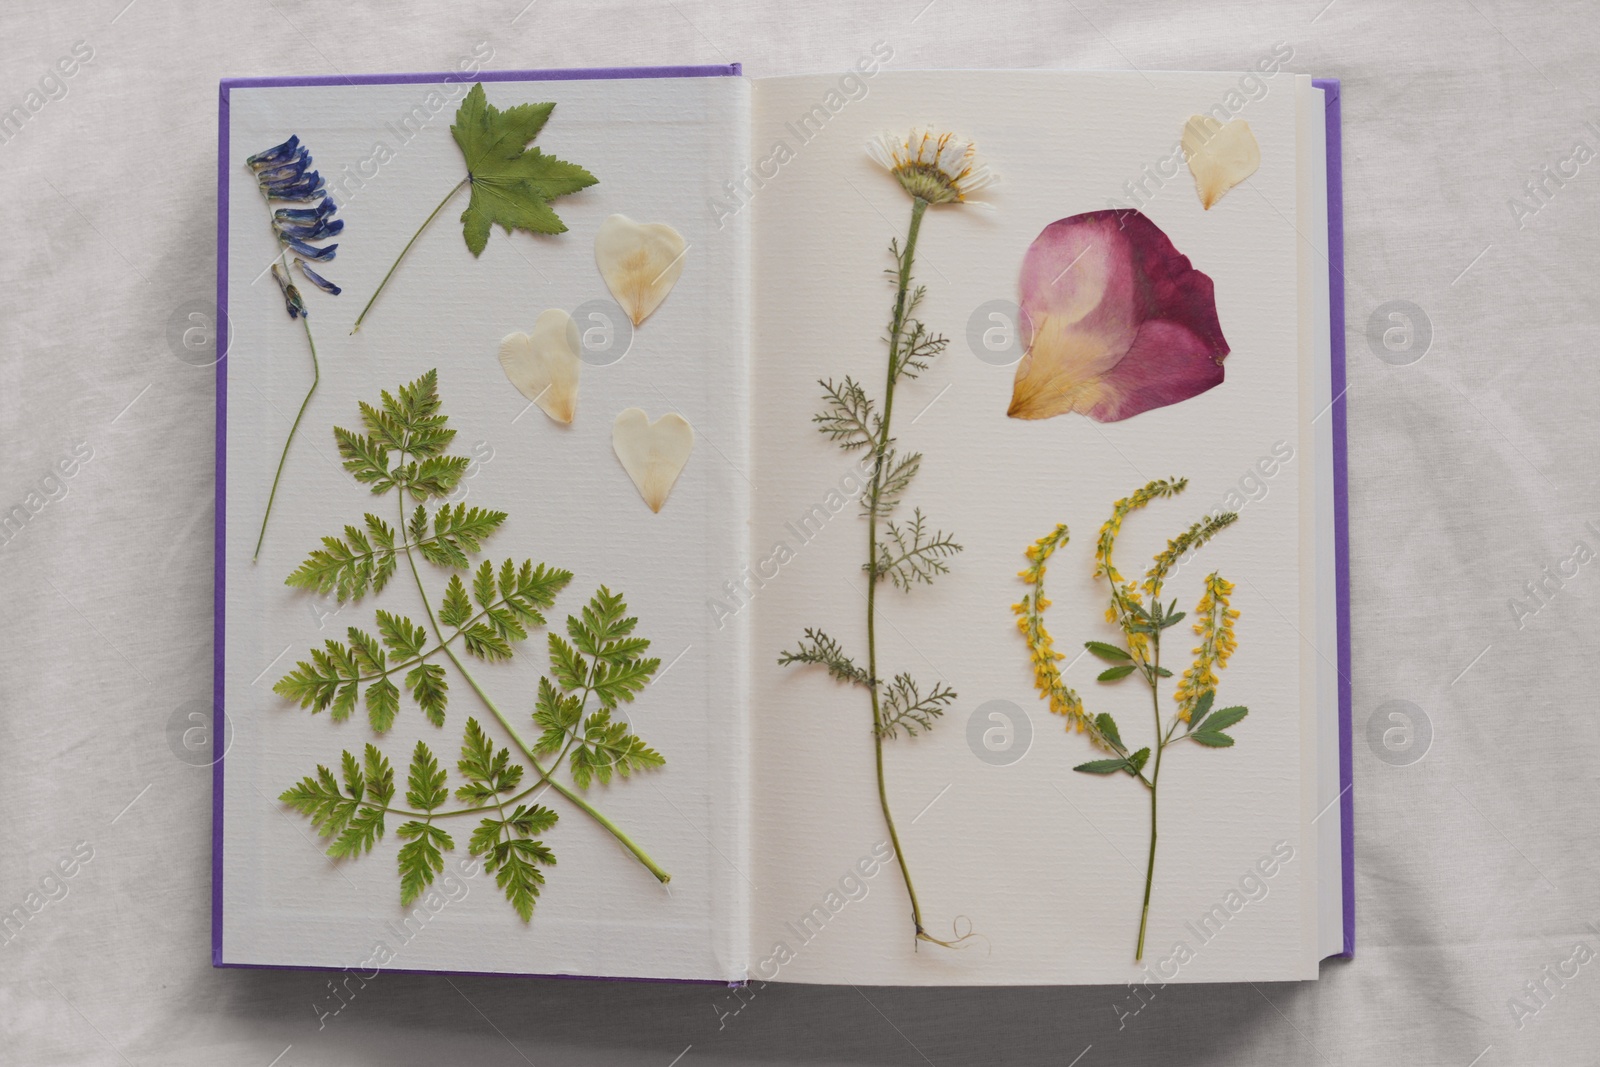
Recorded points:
(407, 248)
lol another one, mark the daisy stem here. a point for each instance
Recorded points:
(881, 449)
(406, 249)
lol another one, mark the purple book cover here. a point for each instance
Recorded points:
(1331, 89)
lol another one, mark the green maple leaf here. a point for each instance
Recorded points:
(512, 184)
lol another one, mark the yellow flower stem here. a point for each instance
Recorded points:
(1155, 779)
(880, 455)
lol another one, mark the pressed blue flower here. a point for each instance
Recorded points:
(316, 279)
(308, 231)
(321, 255)
(283, 172)
(274, 155)
(291, 295)
(306, 214)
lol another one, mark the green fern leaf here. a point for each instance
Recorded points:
(607, 746)
(456, 608)
(426, 779)
(510, 853)
(421, 857)
(405, 638)
(383, 704)
(430, 690)
(557, 714)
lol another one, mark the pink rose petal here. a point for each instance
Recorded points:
(1122, 323)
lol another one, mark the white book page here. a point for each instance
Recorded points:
(656, 146)
(1044, 866)
(1320, 621)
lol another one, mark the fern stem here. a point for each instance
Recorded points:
(544, 775)
(903, 283)
(407, 248)
(316, 376)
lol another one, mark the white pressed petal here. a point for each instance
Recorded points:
(879, 148)
(653, 453)
(640, 262)
(955, 158)
(544, 365)
(1220, 157)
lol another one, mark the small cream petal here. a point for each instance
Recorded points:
(640, 262)
(544, 365)
(653, 453)
(1220, 157)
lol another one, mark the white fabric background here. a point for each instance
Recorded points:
(1471, 472)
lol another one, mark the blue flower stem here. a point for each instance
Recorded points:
(406, 249)
(316, 376)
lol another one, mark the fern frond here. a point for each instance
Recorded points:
(606, 746)
(512, 855)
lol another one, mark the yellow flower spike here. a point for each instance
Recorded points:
(1214, 624)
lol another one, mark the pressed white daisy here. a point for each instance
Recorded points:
(939, 168)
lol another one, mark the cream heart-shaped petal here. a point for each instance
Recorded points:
(544, 365)
(653, 453)
(640, 261)
(1220, 157)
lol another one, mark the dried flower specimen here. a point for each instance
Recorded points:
(932, 169)
(653, 453)
(283, 172)
(512, 183)
(544, 365)
(597, 666)
(1220, 157)
(1142, 624)
(1122, 323)
(640, 262)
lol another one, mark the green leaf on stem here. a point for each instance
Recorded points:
(820, 649)
(1108, 730)
(430, 690)
(513, 857)
(512, 184)
(1102, 766)
(1113, 674)
(421, 857)
(1109, 653)
(456, 609)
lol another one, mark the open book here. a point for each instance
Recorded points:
(818, 529)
